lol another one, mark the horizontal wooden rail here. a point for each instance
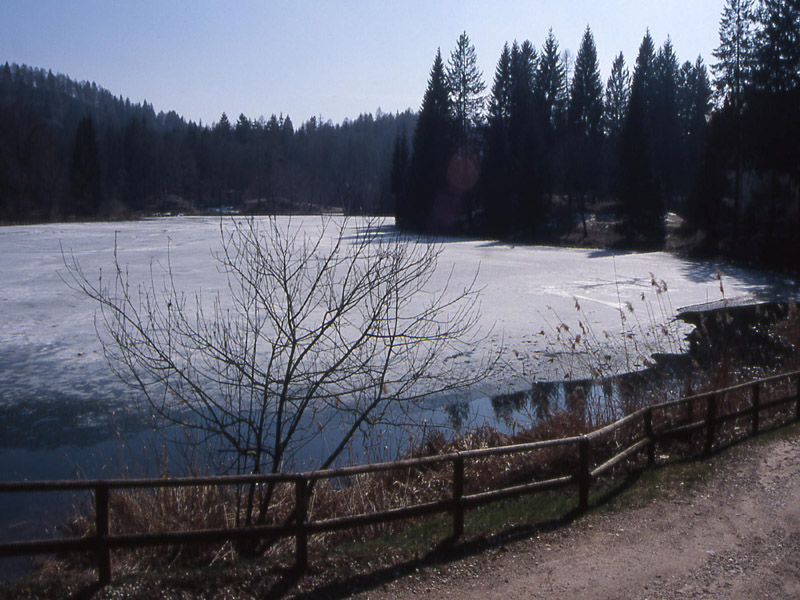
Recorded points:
(632, 417)
(482, 498)
(707, 406)
(385, 516)
(122, 484)
(675, 431)
(625, 454)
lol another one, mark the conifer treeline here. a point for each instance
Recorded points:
(73, 150)
(550, 140)
(535, 155)
(747, 197)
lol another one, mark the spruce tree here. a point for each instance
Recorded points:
(735, 54)
(700, 106)
(550, 92)
(585, 112)
(615, 110)
(734, 71)
(639, 191)
(431, 152)
(640, 194)
(778, 46)
(525, 141)
(224, 125)
(243, 129)
(495, 189)
(551, 82)
(500, 99)
(85, 172)
(694, 101)
(618, 92)
(772, 128)
(400, 177)
(664, 119)
(586, 93)
(466, 87)
(644, 72)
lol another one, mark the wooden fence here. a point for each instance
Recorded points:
(644, 429)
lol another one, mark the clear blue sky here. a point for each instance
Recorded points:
(301, 57)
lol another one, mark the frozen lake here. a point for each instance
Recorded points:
(62, 412)
(56, 390)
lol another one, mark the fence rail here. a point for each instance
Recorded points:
(714, 415)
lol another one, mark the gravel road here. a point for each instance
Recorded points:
(735, 535)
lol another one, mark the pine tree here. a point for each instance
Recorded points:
(466, 87)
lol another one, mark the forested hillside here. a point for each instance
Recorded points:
(73, 150)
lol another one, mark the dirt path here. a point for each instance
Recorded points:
(737, 535)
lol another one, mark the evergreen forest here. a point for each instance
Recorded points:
(549, 145)
(72, 150)
(542, 152)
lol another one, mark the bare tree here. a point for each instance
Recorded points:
(312, 331)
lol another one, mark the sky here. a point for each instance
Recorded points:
(324, 58)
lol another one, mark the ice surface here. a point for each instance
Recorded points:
(60, 406)
(50, 347)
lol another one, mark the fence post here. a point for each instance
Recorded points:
(690, 411)
(584, 474)
(301, 515)
(711, 417)
(101, 532)
(458, 493)
(648, 431)
(797, 408)
(756, 408)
